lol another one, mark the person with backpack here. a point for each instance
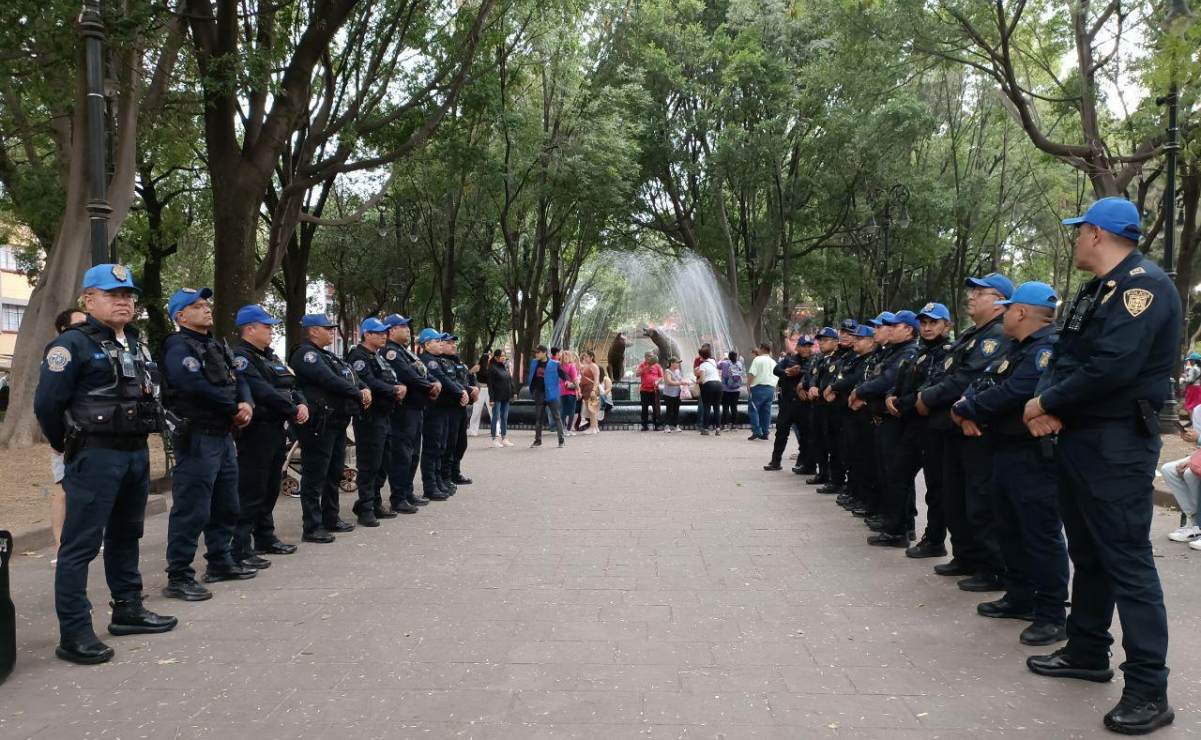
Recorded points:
(732, 372)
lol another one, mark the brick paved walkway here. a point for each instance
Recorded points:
(631, 585)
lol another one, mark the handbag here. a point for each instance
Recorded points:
(1194, 462)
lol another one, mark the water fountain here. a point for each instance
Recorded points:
(628, 303)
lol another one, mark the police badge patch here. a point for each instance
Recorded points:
(359, 366)
(57, 359)
(391, 354)
(241, 362)
(928, 308)
(1044, 359)
(989, 346)
(1137, 300)
(310, 357)
(432, 365)
(191, 364)
(120, 273)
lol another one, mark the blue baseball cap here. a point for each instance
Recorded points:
(1113, 214)
(311, 320)
(185, 297)
(804, 340)
(373, 325)
(827, 332)
(863, 330)
(936, 311)
(904, 317)
(254, 314)
(994, 280)
(395, 319)
(448, 337)
(1034, 293)
(887, 318)
(848, 325)
(1193, 356)
(429, 335)
(109, 277)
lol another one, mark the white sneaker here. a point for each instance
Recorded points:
(506, 442)
(1186, 534)
(668, 430)
(1195, 545)
(497, 443)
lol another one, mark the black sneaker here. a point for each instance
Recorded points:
(83, 650)
(233, 572)
(317, 536)
(1060, 664)
(255, 561)
(130, 617)
(1043, 633)
(367, 519)
(1139, 716)
(926, 549)
(186, 589)
(382, 513)
(769, 466)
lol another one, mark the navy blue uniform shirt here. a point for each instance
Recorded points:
(1012, 382)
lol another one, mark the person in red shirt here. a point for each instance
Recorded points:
(649, 376)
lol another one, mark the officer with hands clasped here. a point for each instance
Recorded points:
(404, 441)
(458, 432)
(263, 444)
(1108, 379)
(372, 427)
(335, 395)
(967, 470)
(1029, 529)
(96, 404)
(208, 399)
(435, 485)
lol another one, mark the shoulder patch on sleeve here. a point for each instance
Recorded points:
(1044, 358)
(57, 359)
(359, 366)
(1140, 270)
(190, 363)
(310, 357)
(432, 365)
(1137, 300)
(970, 346)
(989, 346)
(1002, 367)
(946, 364)
(241, 362)
(391, 355)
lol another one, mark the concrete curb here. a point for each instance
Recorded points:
(40, 537)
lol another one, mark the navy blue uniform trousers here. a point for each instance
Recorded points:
(106, 501)
(370, 443)
(968, 494)
(433, 448)
(204, 493)
(403, 453)
(1029, 529)
(322, 460)
(262, 449)
(1106, 475)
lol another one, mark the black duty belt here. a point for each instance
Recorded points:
(131, 443)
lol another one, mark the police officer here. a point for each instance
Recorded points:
(864, 438)
(788, 371)
(828, 477)
(967, 468)
(372, 427)
(1108, 379)
(335, 395)
(404, 442)
(95, 402)
(856, 427)
(894, 524)
(263, 444)
(458, 430)
(838, 412)
(920, 448)
(806, 436)
(436, 422)
(1028, 525)
(209, 398)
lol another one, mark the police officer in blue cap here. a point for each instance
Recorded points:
(893, 524)
(96, 404)
(435, 440)
(373, 426)
(1109, 377)
(829, 472)
(262, 445)
(460, 418)
(967, 468)
(1028, 526)
(920, 449)
(856, 426)
(404, 441)
(335, 395)
(208, 398)
(788, 372)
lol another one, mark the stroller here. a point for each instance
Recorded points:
(289, 483)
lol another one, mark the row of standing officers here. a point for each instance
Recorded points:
(231, 413)
(1024, 429)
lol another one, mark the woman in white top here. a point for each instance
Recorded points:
(709, 378)
(673, 383)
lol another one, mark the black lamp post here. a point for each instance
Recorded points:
(91, 30)
(891, 205)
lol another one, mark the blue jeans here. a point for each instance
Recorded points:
(500, 415)
(759, 409)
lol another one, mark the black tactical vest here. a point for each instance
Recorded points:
(217, 367)
(129, 406)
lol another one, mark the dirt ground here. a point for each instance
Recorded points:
(26, 483)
